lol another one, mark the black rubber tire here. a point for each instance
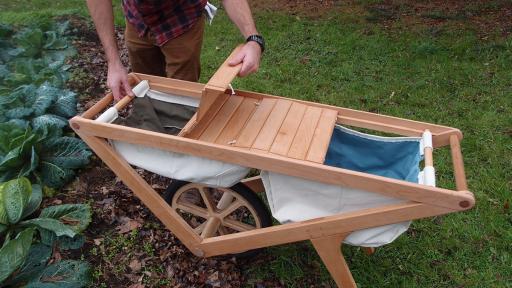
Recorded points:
(250, 196)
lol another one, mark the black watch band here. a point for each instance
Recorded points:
(258, 39)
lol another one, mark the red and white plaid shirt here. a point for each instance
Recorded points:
(164, 19)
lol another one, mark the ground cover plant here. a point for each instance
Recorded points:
(442, 62)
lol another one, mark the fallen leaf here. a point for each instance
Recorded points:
(135, 265)
(128, 225)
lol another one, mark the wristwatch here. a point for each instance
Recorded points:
(258, 39)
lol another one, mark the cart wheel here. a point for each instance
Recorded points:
(218, 211)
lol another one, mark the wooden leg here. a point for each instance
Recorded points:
(369, 250)
(329, 249)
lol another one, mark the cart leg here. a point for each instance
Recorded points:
(329, 249)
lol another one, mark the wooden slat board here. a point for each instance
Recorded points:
(277, 126)
(255, 123)
(237, 122)
(301, 142)
(322, 136)
(288, 129)
(221, 119)
(269, 131)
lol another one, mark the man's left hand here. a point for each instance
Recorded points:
(249, 56)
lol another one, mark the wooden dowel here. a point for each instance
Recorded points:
(98, 107)
(458, 164)
(123, 102)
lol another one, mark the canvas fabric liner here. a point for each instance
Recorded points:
(293, 199)
(157, 116)
(166, 117)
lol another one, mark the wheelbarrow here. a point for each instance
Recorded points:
(324, 182)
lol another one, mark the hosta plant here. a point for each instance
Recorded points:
(24, 263)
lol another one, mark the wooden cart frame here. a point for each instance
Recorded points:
(326, 233)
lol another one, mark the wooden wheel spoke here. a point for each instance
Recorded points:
(200, 228)
(193, 209)
(222, 230)
(205, 194)
(237, 225)
(230, 209)
(210, 227)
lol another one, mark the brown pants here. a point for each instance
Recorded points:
(179, 58)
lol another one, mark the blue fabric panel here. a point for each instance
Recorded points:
(383, 156)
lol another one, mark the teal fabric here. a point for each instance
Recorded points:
(391, 157)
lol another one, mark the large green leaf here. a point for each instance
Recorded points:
(35, 200)
(62, 242)
(16, 194)
(13, 254)
(3, 214)
(30, 40)
(19, 112)
(34, 265)
(50, 224)
(63, 274)
(8, 131)
(49, 125)
(45, 96)
(4, 71)
(65, 104)
(53, 41)
(21, 152)
(29, 166)
(77, 216)
(59, 157)
(3, 228)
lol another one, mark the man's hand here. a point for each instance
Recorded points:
(249, 56)
(117, 81)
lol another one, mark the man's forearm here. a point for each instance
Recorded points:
(103, 17)
(240, 13)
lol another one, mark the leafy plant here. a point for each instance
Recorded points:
(22, 262)
(28, 101)
(34, 108)
(41, 154)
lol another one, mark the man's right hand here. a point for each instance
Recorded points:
(117, 81)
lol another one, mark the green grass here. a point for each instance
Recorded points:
(449, 77)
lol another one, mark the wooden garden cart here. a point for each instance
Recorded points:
(273, 134)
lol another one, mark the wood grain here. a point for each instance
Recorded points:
(302, 141)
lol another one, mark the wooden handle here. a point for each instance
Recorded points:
(133, 80)
(98, 107)
(226, 73)
(105, 101)
(458, 164)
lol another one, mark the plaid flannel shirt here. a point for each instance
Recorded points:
(164, 19)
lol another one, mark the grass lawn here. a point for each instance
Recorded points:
(447, 74)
